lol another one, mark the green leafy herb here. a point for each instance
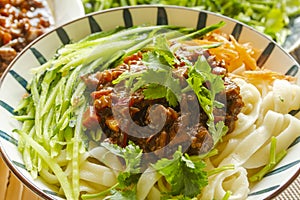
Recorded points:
(185, 176)
(157, 81)
(274, 159)
(154, 81)
(161, 50)
(127, 179)
(131, 154)
(178, 197)
(217, 130)
(199, 75)
(122, 195)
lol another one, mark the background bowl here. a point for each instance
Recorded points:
(13, 82)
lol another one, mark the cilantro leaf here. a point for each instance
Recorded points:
(122, 195)
(155, 91)
(160, 53)
(157, 81)
(154, 61)
(199, 75)
(218, 131)
(128, 77)
(184, 176)
(131, 154)
(159, 84)
(127, 179)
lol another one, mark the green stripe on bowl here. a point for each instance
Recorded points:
(41, 59)
(22, 81)
(53, 193)
(296, 141)
(63, 36)
(7, 107)
(94, 26)
(202, 18)
(8, 138)
(162, 17)
(127, 18)
(21, 165)
(292, 71)
(263, 191)
(265, 54)
(283, 168)
(237, 30)
(294, 112)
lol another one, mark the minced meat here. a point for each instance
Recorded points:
(124, 117)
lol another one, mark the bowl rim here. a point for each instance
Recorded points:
(33, 187)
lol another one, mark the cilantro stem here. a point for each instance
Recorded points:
(273, 151)
(213, 152)
(227, 195)
(100, 194)
(274, 159)
(259, 175)
(220, 169)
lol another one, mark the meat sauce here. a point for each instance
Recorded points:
(21, 21)
(109, 108)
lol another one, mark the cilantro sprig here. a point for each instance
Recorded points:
(125, 188)
(131, 154)
(185, 176)
(206, 86)
(157, 81)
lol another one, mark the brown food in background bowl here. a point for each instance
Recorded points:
(20, 23)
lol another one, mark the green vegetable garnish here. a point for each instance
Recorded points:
(127, 179)
(199, 74)
(275, 158)
(185, 176)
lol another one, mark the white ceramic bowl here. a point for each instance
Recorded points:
(13, 82)
(65, 11)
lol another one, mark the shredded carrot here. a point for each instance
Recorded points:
(267, 75)
(233, 53)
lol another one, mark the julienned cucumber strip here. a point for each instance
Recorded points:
(51, 163)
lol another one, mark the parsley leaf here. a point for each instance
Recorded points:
(184, 176)
(122, 195)
(131, 154)
(157, 81)
(156, 91)
(200, 74)
(129, 177)
(159, 84)
(218, 130)
(160, 51)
